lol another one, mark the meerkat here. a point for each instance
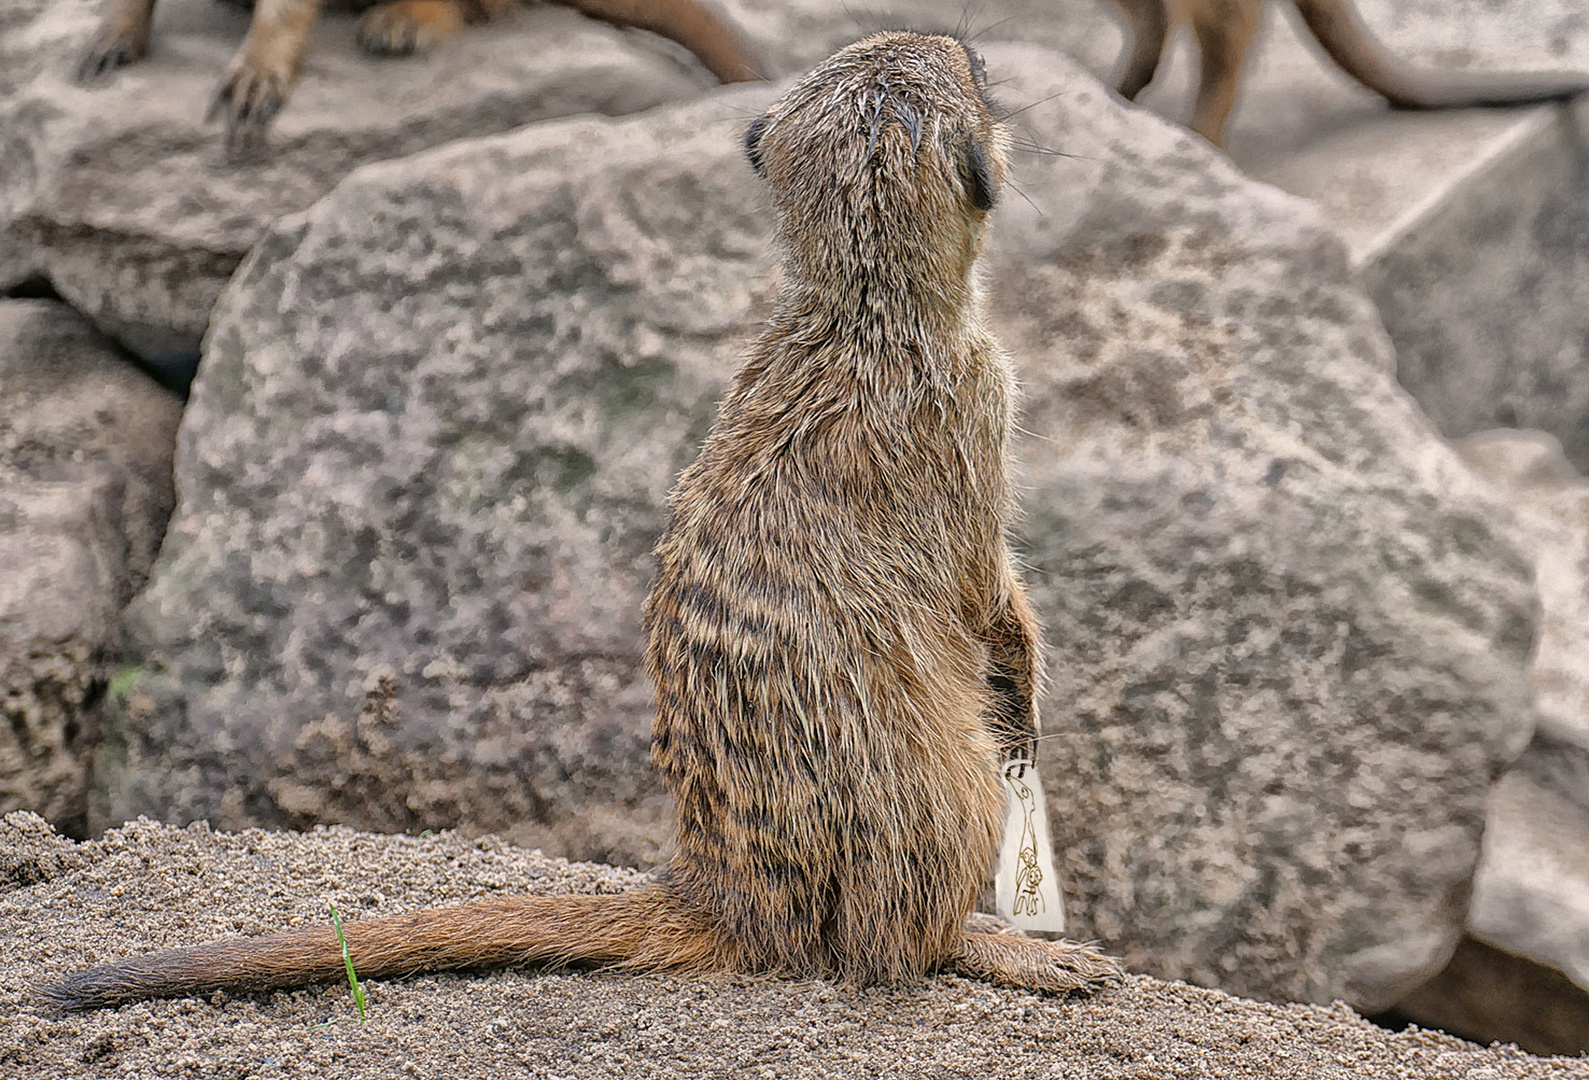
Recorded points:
(1224, 30)
(842, 651)
(261, 74)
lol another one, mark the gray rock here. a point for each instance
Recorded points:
(86, 443)
(1489, 996)
(1522, 973)
(1531, 892)
(1549, 500)
(1530, 906)
(1531, 896)
(122, 196)
(1472, 233)
(424, 464)
(435, 449)
(1470, 227)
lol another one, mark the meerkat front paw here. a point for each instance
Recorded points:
(408, 26)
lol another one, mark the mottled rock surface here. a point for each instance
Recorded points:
(121, 195)
(1522, 973)
(86, 442)
(148, 886)
(1525, 974)
(424, 465)
(1287, 631)
(1549, 501)
(457, 447)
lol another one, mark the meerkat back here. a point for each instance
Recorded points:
(840, 647)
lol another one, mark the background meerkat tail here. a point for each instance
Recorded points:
(1350, 44)
(719, 47)
(1149, 22)
(641, 929)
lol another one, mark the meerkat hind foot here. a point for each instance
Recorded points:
(1030, 964)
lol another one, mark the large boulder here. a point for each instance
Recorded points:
(1524, 973)
(425, 460)
(422, 471)
(86, 442)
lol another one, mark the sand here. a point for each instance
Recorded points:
(147, 885)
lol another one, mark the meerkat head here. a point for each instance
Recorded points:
(890, 142)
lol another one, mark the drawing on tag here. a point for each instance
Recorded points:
(1026, 887)
(1028, 874)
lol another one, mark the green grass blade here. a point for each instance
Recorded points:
(347, 961)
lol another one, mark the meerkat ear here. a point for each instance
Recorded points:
(753, 143)
(977, 176)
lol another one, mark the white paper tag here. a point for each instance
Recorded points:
(1026, 889)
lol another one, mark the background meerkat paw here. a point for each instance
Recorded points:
(113, 47)
(408, 26)
(249, 98)
(1030, 964)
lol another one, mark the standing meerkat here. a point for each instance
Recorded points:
(842, 652)
(1224, 31)
(262, 73)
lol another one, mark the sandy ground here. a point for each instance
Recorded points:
(63, 904)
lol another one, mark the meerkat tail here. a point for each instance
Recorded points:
(642, 929)
(719, 47)
(1360, 55)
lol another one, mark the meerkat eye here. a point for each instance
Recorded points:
(977, 175)
(753, 143)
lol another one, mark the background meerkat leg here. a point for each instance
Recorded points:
(409, 26)
(262, 73)
(1030, 964)
(715, 43)
(1149, 25)
(1224, 32)
(122, 38)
